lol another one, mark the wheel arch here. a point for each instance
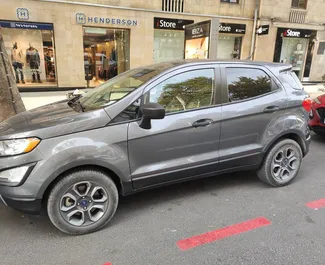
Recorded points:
(293, 135)
(103, 169)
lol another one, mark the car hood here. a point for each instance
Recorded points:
(50, 121)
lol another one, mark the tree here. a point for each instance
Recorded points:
(10, 100)
(192, 93)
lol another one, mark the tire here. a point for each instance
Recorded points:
(93, 209)
(270, 167)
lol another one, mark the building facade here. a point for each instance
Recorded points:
(296, 36)
(68, 44)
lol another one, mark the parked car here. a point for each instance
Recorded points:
(153, 126)
(317, 115)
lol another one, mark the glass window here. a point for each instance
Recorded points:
(189, 90)
(245, 83)
(106, 54)
(132, 112)
(115, 89)
(299, 4)
(32, 55)
(293, 51)
(290, 78)
(168, 45)
(229, 47)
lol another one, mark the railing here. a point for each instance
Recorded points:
(297, 16)
(173, 5)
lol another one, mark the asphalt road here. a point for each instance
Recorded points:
(148, 225)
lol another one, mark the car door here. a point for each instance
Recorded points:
(253, 104)
(185, 143)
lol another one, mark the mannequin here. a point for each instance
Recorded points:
(33, 59)
(17, 62)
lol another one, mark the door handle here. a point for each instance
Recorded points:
(202, 123)
(271, 109)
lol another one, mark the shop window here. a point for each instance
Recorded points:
(229, 47)
(230, 1)
(173, 5)
(32, 55)
(299, 4)
(245, 83)
(186, 91)
(168, 45)
(106, 54)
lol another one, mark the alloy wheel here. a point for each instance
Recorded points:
(84, 203)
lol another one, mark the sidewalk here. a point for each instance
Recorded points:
(36, 99)
(315, 90)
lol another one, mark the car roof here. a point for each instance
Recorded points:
(165, 66)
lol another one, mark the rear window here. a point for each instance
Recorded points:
(291, 79)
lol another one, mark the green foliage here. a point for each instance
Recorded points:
(192, 93)
(247, 87)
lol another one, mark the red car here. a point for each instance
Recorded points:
(317, 115)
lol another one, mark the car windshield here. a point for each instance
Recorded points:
(117, 88)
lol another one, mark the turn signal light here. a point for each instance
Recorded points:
(307, 103)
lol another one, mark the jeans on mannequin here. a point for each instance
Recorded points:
(18, 67)
(35, 72)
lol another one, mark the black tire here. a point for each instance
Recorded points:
(59, 190)
(265, 172)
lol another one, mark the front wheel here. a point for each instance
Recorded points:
(82, 202)
(281, 164)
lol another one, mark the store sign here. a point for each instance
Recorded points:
(232, 28)
(22, 13)
(25, 25)
(198, 30)
(169, 23)
(295, 33)
(263, 30)
(81, 18)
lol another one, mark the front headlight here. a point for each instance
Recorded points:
(18, 146)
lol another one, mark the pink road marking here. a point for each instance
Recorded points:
(316, 204)
(211, 236)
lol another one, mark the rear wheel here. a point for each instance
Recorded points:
(281, 164)
(82, 202)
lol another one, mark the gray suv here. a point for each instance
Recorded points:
(153, 126)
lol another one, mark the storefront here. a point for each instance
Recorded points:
(292, 46)
(106, 53)
(169, 38)
(68, 45)
(32, 52)
(230, 40)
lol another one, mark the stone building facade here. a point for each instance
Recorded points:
(67, 44)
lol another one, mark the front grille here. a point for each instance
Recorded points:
(321, 113)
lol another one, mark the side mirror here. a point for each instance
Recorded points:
(151, 111)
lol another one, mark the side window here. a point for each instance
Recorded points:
(245, 83)
(185, 91)
(132, 112)
(291, 79)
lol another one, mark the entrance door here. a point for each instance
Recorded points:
(185, 143)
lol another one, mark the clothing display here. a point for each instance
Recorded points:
(17, 62)
(33, 59)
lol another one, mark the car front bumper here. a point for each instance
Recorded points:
(29, 206)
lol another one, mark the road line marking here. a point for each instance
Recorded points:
(316, 204)
(227, 231)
